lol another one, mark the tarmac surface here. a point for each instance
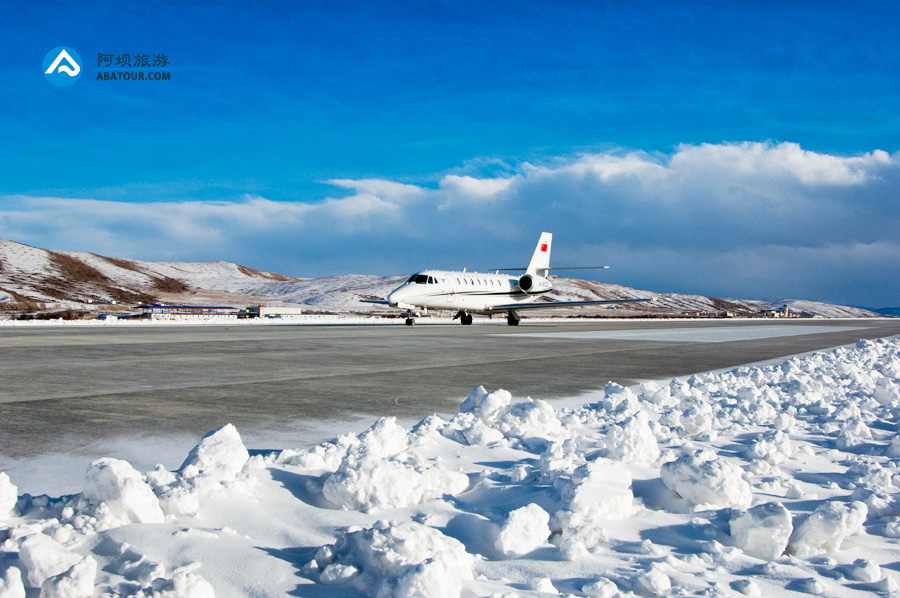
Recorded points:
(64, 387)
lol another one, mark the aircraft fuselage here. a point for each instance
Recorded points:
(470, 292)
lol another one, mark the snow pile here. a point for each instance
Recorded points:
(11, 585)
(75, 582)
(763, 531)
(8, 496)
(44, 558)
(756, 481)
(366, 483)
(708, 481)
(773, 447)
(827, 527)
(490, 417)
(595, 492)
(396, 560)
(524, 530)
(633, 441)
(219, 457)
(119, 494)
(378, 472)
(212, 465)
(652, 583)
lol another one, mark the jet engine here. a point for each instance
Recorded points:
(532, 283)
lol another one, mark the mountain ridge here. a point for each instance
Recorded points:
(31, 277)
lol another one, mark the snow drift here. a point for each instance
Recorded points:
(757, 481)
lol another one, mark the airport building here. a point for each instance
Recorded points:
(206, 312)
(274, 311)
(181, 312)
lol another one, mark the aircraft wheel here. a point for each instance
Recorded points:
(410, 322)
(465, 319)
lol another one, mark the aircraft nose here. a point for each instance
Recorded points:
(395, 296)
(401, 296)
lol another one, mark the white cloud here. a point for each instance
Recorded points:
(785, 161)
(398, 193)
(751, 219)
(609, 168)
(461, 191)
(470, 187)
(360, 211)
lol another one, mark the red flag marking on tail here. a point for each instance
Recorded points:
(544, 247)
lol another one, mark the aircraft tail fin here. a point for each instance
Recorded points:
(540, 259)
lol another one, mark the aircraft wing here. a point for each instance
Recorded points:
(545, 304)
(378, 301)
(554, 268)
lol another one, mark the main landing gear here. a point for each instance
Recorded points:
(512, 318)
(464, 318)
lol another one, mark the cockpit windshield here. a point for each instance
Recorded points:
(420, 279)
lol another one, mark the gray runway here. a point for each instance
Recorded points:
(64, 387)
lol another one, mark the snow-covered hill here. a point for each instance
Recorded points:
(70, 278)
(30, 276)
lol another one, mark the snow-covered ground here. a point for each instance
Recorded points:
(773, 480)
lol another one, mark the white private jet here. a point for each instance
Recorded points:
(470, 293)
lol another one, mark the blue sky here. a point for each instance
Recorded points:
(732, 149)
